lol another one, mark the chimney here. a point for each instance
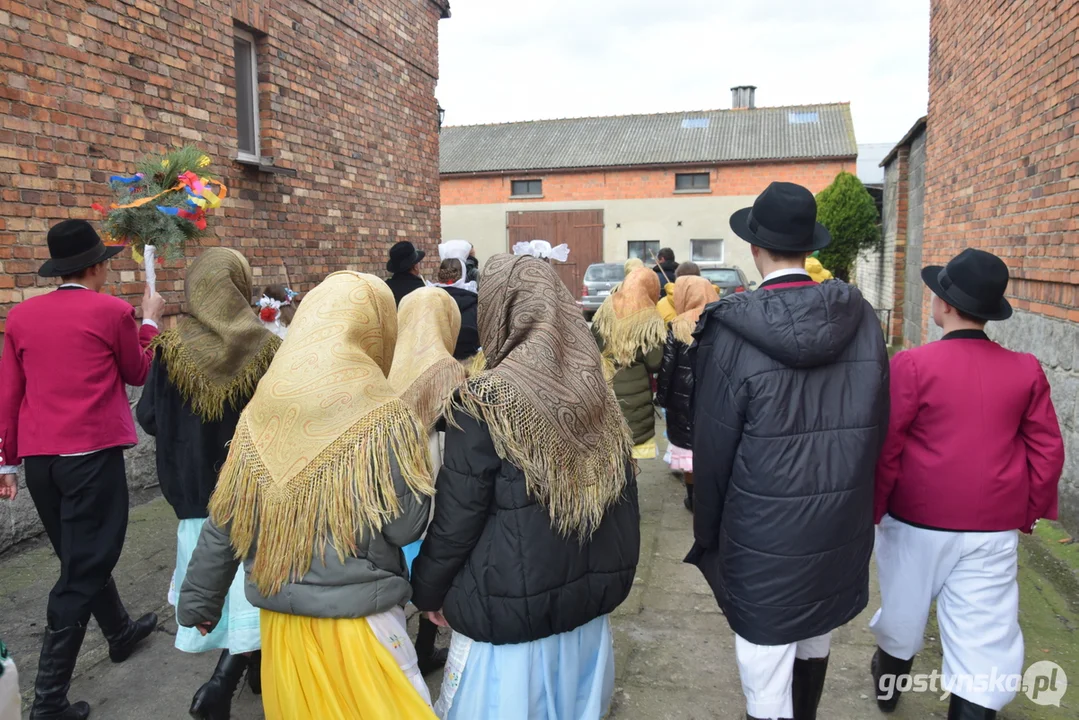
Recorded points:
(742, 97)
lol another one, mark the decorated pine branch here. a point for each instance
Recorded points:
(164, 205)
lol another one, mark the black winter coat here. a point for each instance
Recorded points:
(468, 340)
(791, 412)
(494, 565)
(190, 451)
(402, 284)
(665, 272)
(675, 391)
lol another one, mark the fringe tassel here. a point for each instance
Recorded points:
(683, 330)
(476, 364)
(576, 484)
(345, 491)
(427, 394)
(624, 338)
(206, 397)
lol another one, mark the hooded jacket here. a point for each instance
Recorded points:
(665, 306)
(791, 410)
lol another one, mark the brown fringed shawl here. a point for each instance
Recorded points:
(628, 321)
(544, 396)
(311, 460)
(424, 370)
(217, 354)
(691, 294)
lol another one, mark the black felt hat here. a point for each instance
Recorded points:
(783, 218)
(403, 257)
(975, 282)
(74, 245)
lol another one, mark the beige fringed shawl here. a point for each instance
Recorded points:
(628, 321)
(424, 370)
(543, 395)
(310, 463)
(691, 294)
(217, 354)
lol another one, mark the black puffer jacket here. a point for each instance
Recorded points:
(675, 391)
(494, 565)
(468, 340)
(791, 413)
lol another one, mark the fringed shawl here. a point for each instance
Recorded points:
(543, 394)
(628, 321)
(217, 354)
(424, 370)
(691, 294)
(311, 460)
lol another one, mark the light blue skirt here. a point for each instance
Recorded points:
(238, 630)
(563, 677)
(411, 551)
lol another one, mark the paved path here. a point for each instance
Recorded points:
(674, 652)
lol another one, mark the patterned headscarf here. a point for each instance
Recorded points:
(544, 396)
(628, 322)
(691, 294)
(424, 370)
(311, 459)
(217, 354)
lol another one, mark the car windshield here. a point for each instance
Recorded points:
(722, 276)
(604, 273)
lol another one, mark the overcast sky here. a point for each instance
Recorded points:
(509, 60)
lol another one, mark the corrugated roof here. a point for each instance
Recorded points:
(710, 136)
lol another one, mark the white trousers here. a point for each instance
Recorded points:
(767, 672)
(10, 702)
(972, 576)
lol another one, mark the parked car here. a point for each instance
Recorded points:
(727, 279)
(599, 280)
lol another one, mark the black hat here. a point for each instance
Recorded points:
(783, 218)
(973, 282)
(73, 246)
(403, 257)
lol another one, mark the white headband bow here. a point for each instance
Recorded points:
(543, 250)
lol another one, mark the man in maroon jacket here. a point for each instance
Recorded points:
(64, 410)
(973, 456)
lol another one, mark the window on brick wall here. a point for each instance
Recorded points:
(706, 250)
(643, 250)
(525, 188)
(692, 182)
(247, 97)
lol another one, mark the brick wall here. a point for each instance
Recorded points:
(1001, 174)
(346, 96)
(727, 180)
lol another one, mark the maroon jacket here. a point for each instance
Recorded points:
(973, 443)
(67, 357)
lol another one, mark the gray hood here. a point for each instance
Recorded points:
(802, 327)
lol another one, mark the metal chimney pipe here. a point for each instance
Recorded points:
(743, 97)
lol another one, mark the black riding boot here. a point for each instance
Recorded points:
(116, 625)
(808, 686)
(885, 665)
(254, 672)
(961, 709)
(430, 658)
(688, 502)
(59, 650)
(213, 701)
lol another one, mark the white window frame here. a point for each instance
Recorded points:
(242, 154)
(722, 250)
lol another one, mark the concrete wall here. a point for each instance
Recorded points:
(913, 298)
(672, 221)
(18, 519)
(874, 271)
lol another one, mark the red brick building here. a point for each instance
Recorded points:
(1002, 173)
(320, 118)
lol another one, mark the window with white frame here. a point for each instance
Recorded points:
(247, 96)
(706, 250)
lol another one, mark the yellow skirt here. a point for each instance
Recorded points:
(332, 669)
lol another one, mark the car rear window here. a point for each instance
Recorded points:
(604, 273)
(722, 276)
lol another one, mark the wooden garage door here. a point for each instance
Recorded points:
(582, 230)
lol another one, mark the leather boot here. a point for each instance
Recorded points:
(688, 502)
(885, 665)
(213, 701)
(430, 658)
(254, 672)
(961, 709)
(808, 686)
(59, 650)
(111, 615)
